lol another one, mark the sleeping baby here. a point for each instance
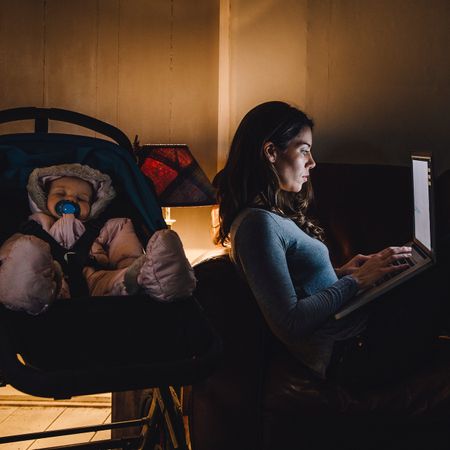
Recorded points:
(66, 250)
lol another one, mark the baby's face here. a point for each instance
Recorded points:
(70, 188)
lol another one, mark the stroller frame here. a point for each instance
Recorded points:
(164, 406)
(162, 413)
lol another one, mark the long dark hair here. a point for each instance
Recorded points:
(249, 179)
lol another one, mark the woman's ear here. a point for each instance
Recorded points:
(270, 151)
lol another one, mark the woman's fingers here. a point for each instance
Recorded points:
(358, 260)
(393, 258)
(380, 264)
(395, 250)
(393, 253)
(394, 268)
(387, 262)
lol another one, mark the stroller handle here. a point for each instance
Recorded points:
(41, 116)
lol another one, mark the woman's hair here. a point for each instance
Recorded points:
(250, 179)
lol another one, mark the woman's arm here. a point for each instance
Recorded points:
(260, 248)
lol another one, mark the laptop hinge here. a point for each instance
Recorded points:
(421, 250)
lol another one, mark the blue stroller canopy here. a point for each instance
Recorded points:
(21, 153)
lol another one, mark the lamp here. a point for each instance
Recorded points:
(176, 175)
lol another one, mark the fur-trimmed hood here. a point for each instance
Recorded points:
(40, 177)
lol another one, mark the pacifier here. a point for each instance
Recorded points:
(67, 207)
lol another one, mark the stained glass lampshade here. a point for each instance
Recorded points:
(176, 175)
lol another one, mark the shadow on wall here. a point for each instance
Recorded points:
(389, 152)
(343, 191)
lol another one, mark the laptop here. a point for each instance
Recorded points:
(423, 254)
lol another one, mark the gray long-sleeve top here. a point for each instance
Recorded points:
(294, 283)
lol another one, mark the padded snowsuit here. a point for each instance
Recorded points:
(30, 278)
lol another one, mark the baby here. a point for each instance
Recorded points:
(65, 250)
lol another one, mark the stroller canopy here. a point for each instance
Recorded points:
(21, 153)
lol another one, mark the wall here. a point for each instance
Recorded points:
(147, 67)
(267, 61)
(378, 79)
(374, 74)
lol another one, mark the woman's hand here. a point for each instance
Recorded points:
(354, 264)
(379, 264)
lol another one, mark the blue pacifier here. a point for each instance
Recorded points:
(67, 207)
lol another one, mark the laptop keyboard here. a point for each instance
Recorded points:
(410, 261)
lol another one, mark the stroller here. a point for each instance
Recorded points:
(99, 344)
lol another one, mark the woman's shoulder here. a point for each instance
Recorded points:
(260, 230)
(257, 221)
(255, 215)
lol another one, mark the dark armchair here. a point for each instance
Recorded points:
(261, 398)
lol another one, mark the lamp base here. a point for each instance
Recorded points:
(166, 215)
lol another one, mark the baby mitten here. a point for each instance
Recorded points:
(164, 271)
(29, 278)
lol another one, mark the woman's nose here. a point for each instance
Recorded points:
(311, 163)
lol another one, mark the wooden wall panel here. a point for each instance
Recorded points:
(71, 58)
(379, 79)
(21, 57)
(267, 54)
(194, 85)
(194, 101)
(144, 54)
(107, 74)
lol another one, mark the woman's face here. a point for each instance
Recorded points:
(294, 163)
(73, 189)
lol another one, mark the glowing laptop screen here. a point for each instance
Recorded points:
(421, 180)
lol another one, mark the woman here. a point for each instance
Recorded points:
(264, 192)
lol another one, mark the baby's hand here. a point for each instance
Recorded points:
(28, 278)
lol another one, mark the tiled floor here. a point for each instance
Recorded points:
(20, 413)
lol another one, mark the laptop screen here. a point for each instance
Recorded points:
(422, 180)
